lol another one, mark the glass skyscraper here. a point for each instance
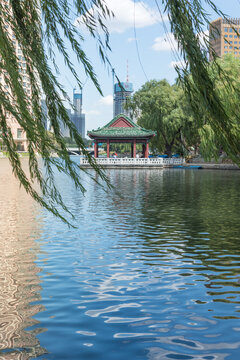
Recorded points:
(78, 118)
(122, 91)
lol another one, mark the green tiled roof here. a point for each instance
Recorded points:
(121, 132)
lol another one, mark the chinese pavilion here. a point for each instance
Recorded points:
(122, 130)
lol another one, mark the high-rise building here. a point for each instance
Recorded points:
(63, 128)
(18, 133)
(223, 37)
(78, 118)
(122, 91)
(46, 121)
(77, 102)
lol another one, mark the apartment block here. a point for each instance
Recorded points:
(224, 37)
(18, 133)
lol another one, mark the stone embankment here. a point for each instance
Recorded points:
(215, 166)
(223, 163)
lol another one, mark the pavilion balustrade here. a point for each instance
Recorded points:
(135, 161)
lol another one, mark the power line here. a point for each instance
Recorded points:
(150, 13)
(136, 42)
(162, 23)
(172, 45)
(85, 82)
(69, 82)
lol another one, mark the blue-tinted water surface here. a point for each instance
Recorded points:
(152, 271)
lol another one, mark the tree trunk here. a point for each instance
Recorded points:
(168, 149)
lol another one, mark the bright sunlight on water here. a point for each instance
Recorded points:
(152, 270)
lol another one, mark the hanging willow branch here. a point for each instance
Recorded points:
(40, 26)
(37, 26)
(188, 19)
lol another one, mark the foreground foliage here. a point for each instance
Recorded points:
(37, 26)
(212, 143)
(188, 20)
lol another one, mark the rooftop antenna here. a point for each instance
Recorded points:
(113, 78)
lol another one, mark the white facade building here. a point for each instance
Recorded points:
(18, 134)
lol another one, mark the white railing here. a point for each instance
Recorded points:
(136, 161)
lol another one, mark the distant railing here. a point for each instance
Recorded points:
(136, 161)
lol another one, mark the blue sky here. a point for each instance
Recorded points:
(155, 54)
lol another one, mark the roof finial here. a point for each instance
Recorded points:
(127, 71)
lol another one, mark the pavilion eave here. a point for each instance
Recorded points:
(120, 139)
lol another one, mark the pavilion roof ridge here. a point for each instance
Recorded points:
(119, 116)
(132, 131)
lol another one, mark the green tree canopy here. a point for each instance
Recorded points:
(164, 108)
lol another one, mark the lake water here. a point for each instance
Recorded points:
(152, 270)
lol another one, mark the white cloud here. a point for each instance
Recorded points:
(125, 11)
(168, 42)
(165, 43)
(131, 40)
(106, 100)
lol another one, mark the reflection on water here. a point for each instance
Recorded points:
(151, 272)
(19, 281)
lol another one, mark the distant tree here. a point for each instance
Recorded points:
(164, 108)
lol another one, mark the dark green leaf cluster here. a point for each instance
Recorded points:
(188, 19)
(229, 93)
(39, 26)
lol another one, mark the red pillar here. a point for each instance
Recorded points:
(134, 148)
(95, 149)
(131, 150)
(147, 150)
(108, 148)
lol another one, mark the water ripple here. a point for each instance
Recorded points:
(152, 273)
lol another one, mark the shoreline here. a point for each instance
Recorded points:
(204, 166)
(215, 166)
